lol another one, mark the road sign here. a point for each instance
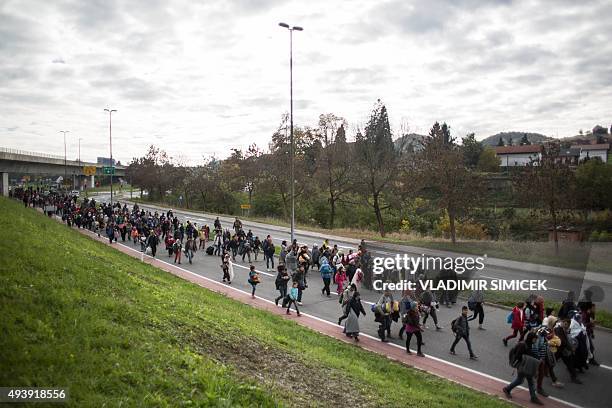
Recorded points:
(89, 170)
(108, 170)
(245, 206)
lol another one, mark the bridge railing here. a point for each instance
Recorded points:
(26, 153)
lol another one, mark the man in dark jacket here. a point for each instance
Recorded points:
(461, 328)
(526, 364)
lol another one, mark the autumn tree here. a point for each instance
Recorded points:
(333, 160)
(442, 169)
(377, 161)
(546, 183)
(472, 149)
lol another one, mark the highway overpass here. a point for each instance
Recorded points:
(23, 162)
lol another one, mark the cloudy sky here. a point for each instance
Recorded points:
(197, 78)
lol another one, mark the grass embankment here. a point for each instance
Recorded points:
(510, 299)
(115, 331)
(596, 257)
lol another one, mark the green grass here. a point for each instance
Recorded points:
(78, 314)
(510, 299)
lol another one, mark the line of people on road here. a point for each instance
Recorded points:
(545, 336)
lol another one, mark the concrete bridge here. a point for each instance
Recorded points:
(22, 162)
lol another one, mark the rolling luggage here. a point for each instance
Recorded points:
(210, 250)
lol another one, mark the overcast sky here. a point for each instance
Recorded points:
(197, 78)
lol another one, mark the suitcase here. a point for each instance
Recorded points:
(210, 250)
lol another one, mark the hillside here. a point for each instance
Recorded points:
(516, 137)
(118, 332)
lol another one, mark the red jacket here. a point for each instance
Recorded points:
(518, 318)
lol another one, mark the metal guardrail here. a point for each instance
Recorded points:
(34, 154)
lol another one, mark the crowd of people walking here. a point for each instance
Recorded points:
(544, 336)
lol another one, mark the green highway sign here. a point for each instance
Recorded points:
(108, 170)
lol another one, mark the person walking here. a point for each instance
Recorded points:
(475, 303)
(428, 307)
(355, 308)
(340, 278)
(385, 306)
(521, 357)
(326, 275)
(412, 327)
(190, 248)
(177, 248)
(253, 279)
(282, 278)
(461, 327)
(293, 295)
(226, 266)
(268, 251)
(153, 242)
(517, 321)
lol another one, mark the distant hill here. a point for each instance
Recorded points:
(516, 137)
(411, 141)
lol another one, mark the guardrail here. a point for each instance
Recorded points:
(26, 153)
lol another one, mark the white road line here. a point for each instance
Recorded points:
(605, 366)
(501, 381)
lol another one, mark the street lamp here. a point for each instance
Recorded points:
(291, 30)
(80, 180)
(65, 161)
(110, 137)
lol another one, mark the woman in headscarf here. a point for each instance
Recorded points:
(355, 308)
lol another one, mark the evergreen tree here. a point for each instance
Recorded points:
(500, 142)
(525, 140)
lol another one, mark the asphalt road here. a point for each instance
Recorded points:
(595, 392)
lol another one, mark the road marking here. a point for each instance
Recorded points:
(336, 325)
(605, 366)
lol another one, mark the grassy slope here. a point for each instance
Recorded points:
(78, 314)
(569, 256)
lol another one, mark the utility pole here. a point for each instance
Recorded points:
(291, 149)
(65, 159)
(110, 138)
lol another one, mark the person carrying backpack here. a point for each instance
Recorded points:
(521, 358)
(326, 275)
(461, 328)
(412, 326)
(517, 320)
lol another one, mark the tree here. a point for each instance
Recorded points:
(594, 185)
(377, 159)
(472, 149)
(153, 172)
(488, 161)
(443, 170)
(333, 161)
(547, 184)
(509, 141)
(524, 140)
(500, 142)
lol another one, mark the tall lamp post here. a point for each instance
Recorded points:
(80, 183)
(110, 138)
(65, 160)
(291, 153)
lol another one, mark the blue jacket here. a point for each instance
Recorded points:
(293, 293)
(326, 270)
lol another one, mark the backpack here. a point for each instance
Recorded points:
(512, 357)
(454, 325)
(510, 318)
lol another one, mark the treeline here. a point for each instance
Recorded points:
(372, 182)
